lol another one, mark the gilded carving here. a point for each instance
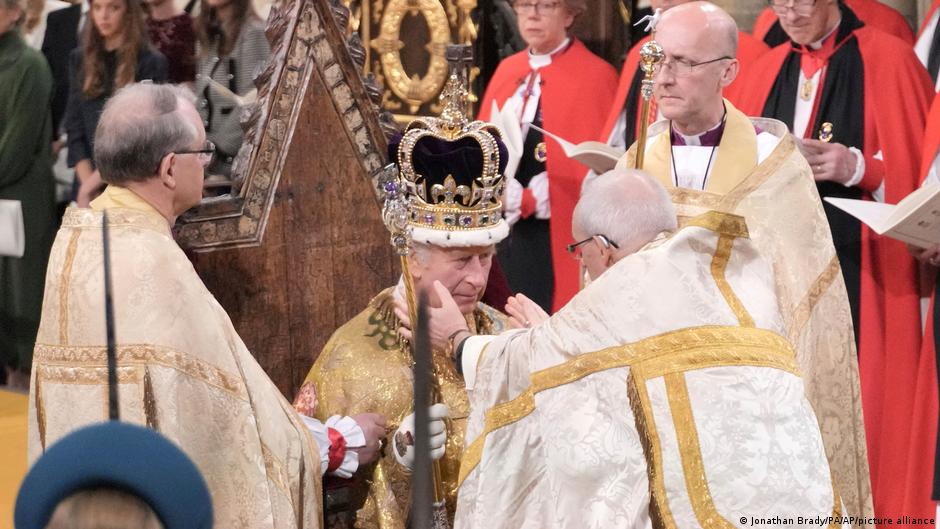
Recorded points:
(415, 90)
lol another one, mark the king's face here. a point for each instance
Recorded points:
(463, 271)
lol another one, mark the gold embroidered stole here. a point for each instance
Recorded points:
(735, 160)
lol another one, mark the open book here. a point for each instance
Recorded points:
(914, 220)
(599, 157)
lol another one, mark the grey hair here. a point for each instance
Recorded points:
(421, 251)
(140, 125)
(626, 205)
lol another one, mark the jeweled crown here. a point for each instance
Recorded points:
(451, 175)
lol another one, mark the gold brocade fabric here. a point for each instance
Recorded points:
(664, 395)
(182, 368)
(785, 217)
(367, 367)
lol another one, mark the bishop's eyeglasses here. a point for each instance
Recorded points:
(683, 67)
(205, 154)
(544, 8)
(575, 248)
(800, 7)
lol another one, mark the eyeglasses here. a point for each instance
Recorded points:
(683, 67)
(524, 8)
(205, 154)
(575, 247)
(800, 7)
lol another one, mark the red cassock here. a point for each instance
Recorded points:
(577, 88)
(749, 49)
(925, 412)
(897, 92)
(871, 12)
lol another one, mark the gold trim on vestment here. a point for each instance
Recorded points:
(275, 471)
(719, 222)
(820, 286)
(138, 355)
(672, 368)
(87, 218)
(696, 483)
(718, 266)
(709, 339)
(660, 514)
(64, 288)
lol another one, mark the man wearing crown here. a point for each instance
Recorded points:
(711, 156)
(450, 185)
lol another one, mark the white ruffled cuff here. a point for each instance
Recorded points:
(859, 168)
(512, 201)
(539, 187)
(350, 431)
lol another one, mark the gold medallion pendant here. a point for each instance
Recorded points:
(806, 91)
(825, 132)
(541, 152)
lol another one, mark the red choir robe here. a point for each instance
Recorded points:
(576, 91)
(896, 93)
(628, 90)
(871, 12)
(924, 441)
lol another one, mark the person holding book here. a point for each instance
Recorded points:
(857, 98)
(539, 86)
(711, 156)
(623, 119)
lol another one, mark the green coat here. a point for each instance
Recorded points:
(25, 175)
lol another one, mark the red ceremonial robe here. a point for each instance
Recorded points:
(871, 12)
(577, 88)
(897, 92)
(925, 412)
(749, 49)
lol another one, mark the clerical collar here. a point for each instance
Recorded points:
(541, 60)
(819, 43)
(709, 138)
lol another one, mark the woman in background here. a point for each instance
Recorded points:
(231, 46)
(25, 181)
(543, 86)
(114, 52)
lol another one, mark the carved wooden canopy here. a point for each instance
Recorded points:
(307, 38)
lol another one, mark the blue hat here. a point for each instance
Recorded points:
(122, 456)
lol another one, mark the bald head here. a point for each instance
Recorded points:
(140, 124)
(709, 25)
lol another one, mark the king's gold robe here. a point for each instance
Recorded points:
(366, 367)
(182, 369)
(665, 394)
(776, 193)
